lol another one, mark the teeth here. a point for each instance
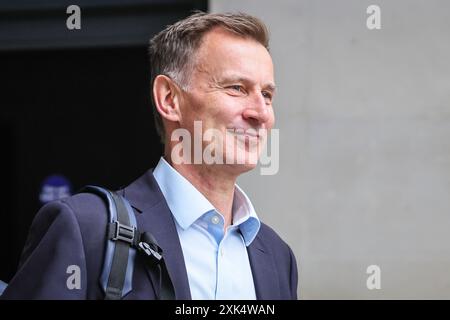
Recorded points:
(245, 134)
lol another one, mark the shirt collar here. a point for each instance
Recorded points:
(187, 204)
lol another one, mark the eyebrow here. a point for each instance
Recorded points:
(236, 78)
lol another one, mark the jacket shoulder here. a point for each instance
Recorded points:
(285, 261)
(271, 238)
(65, 233)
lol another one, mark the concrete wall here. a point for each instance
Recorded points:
(364, 119)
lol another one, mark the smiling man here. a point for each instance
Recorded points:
(209, 71)
(229, 89)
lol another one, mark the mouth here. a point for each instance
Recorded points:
(251, 133)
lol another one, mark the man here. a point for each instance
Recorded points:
(212, 70)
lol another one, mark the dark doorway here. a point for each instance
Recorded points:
(80, 113)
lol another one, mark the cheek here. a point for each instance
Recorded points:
(195, 108)
(222, 110)
(205, 104)
(271, 120)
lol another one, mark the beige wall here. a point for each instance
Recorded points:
(364, 119)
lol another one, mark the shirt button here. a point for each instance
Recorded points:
(215, 220)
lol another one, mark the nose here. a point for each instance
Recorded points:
(257, 110)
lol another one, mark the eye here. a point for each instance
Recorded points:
(237, 88)
(267, 95)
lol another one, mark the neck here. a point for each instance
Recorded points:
(216, 185)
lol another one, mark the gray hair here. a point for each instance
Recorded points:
(173, 49)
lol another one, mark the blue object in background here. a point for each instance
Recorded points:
(2, 287)
(54, 187)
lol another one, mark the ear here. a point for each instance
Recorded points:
(166, 95)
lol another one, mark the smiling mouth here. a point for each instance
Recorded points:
(251, 133)
(247, 135)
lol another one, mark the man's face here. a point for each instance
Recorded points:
(231, 90)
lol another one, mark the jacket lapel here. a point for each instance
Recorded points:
(263, 266)
(155, 217)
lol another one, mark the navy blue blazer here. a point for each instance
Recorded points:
(72, 231)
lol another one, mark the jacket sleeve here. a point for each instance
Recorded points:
(52, 265)
(293, 275)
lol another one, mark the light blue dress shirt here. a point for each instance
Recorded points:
(217, 264)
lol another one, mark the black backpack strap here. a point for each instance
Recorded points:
(123, 239)
(117, 274)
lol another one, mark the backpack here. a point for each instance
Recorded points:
(123, 241)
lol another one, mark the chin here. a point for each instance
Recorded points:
(248, 167)
(239, 166)
(239, 169)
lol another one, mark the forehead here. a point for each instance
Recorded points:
(222, 52)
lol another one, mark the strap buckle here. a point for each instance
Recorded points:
(123, 232)
(149, 251)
